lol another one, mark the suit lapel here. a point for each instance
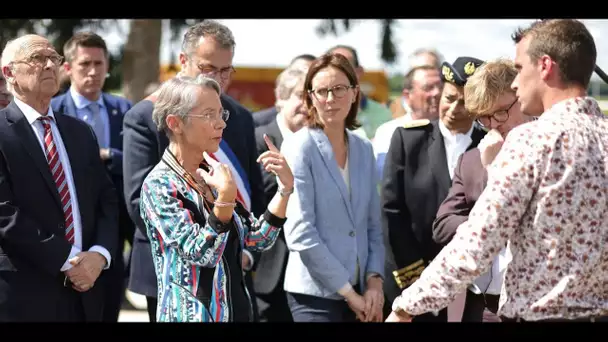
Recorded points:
(327, 154)
(476, 136)
(438, 159)
(30, 142)
(354, 172)
(114, 120)
(275, 133)
(69, 106)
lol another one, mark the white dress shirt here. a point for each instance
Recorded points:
(32, 117)
(382, 140)
(455, 145)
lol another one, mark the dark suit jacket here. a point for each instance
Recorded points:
(416, 180)
(270, 269)
(116, 108)
(143, 147)
(264, 116)
(33, 247)
(470, 178)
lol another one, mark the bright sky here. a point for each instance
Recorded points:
(274, 42)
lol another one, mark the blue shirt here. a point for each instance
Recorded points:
(84, 113)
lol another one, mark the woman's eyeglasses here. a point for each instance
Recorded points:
(224, 115)
(338, 91)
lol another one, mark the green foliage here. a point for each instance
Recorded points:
(388, 51)
(395, 83)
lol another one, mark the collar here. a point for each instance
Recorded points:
(30, 113)
(454, 137)
(581, 104)
(285, 131)
(81, 101)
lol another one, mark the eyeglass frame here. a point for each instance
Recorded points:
(30, 60)
(224, 72)
(331, 90)
(225, 113)
(494, 116)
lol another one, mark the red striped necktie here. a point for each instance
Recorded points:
(52, 157)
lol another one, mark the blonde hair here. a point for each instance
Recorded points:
(487, 84)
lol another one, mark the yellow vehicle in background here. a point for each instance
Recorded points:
(253, 87)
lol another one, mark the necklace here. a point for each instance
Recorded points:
(203, 189)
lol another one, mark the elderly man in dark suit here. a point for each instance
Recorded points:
(208, 49)
(58, 207)
(86, 64)
(416, 179)
(270, 270)
(489, 97)
(266, 116)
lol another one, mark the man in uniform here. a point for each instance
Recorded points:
(417, 177)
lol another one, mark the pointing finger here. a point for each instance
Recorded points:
(269, 143)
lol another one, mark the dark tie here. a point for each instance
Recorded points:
(52, 157)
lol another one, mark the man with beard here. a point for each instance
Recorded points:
(417, 176)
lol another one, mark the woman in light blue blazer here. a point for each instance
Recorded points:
(336, 261)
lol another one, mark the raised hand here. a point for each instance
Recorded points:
(220, 179)
(273, 161)
(489, 147)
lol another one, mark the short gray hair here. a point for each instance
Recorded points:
(220, 33)
(178, 96)
(12, 48)
(287, 82)
(413, 59)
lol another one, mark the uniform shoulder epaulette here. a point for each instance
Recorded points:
(416, 123)
(409, 274)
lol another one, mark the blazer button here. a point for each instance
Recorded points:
(352, 233)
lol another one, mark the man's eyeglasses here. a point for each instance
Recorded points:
(224, 115)
(40, 59)
(211, 71)
(338, 91)
(498, 116)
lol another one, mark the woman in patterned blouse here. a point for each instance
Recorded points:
(196, 227)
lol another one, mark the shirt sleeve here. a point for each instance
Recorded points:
(493, 219)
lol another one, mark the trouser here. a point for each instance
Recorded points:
(152, 302)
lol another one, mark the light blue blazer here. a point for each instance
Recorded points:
(327, 228)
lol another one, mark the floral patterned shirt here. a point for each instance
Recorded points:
(547, 195)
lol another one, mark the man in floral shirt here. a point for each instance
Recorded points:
(547, 194)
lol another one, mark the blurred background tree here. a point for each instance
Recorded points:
(336, 27)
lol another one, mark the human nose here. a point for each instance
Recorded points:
(515, 83)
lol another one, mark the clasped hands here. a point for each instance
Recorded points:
(86, 268)
(368, 308)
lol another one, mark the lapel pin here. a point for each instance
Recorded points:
(114, 112)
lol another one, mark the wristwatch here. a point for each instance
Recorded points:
(284, 192)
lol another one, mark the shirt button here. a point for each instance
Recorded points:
(352, 233)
